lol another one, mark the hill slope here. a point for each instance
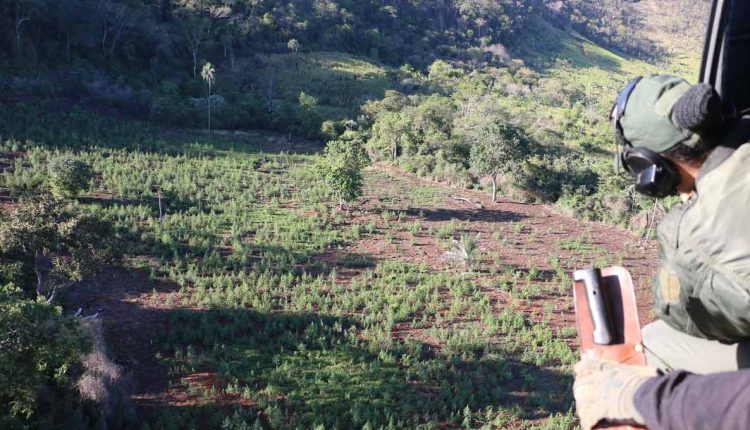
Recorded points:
(255, 302)
(245, 299)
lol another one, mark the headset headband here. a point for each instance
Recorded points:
(617, 112)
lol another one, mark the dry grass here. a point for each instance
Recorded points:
(103, 381)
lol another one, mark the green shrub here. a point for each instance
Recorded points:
(547, 178)
(342, 166)
(69, 176)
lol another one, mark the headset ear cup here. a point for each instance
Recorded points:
(654, 175)
(698, 109)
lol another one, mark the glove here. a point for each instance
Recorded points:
(604, 390)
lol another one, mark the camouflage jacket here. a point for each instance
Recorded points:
(702, 286)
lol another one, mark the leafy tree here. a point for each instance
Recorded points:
(40, 241)
(497, 148)
(308, 115)
(392, 101)
(69, 175)
(38, 347)
(433, 121)
(342, 166)
(293, 46)
(391, 133)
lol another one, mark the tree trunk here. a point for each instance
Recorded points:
(39, 281)
(104, 38)
(494, 188)
(161, 216)
(195, 62)
(269, 87)
(19, 22)
(341, 203)
(394, 151)
(209, 109)
(120, 30)
(52, 295)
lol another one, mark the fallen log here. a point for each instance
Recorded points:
(476, 204)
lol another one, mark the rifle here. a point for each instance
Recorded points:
(607, 318)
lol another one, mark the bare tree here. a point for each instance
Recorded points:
(293, 46)
(116, 20)
(23, 14)
(195, 31)
(196, 22)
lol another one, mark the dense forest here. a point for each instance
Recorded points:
(201, 227)
(144, 57)
(153, 36)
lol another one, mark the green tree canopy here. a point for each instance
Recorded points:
(392, 134)
(497, 148)
(38, 347)
(69, 176)
(46, 249)
(342, 166)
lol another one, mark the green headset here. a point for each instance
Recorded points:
(697, 110)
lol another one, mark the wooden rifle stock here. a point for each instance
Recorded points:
(616, 334)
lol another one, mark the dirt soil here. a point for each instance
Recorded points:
(135, 311)
(526, 237)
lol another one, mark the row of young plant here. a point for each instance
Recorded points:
(398, 346)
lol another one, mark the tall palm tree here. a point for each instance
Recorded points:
(208, 75)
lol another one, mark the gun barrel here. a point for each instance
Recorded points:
(595, 296)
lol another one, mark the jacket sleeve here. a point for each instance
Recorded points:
(681, 400)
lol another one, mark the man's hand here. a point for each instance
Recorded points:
(604, 390)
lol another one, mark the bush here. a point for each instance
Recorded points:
(40, 345)
(69, 176)
(547, 178)
(342, 166)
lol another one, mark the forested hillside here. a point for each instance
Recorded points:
(309, 69)
(244, 214)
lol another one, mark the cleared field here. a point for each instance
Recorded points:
(254, 303)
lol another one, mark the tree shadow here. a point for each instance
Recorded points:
(312, 369)
(171, 203)
(328, 76)
(132, 306)
(485, 215)
(197, 367)
(75, 128)
(346, 264)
